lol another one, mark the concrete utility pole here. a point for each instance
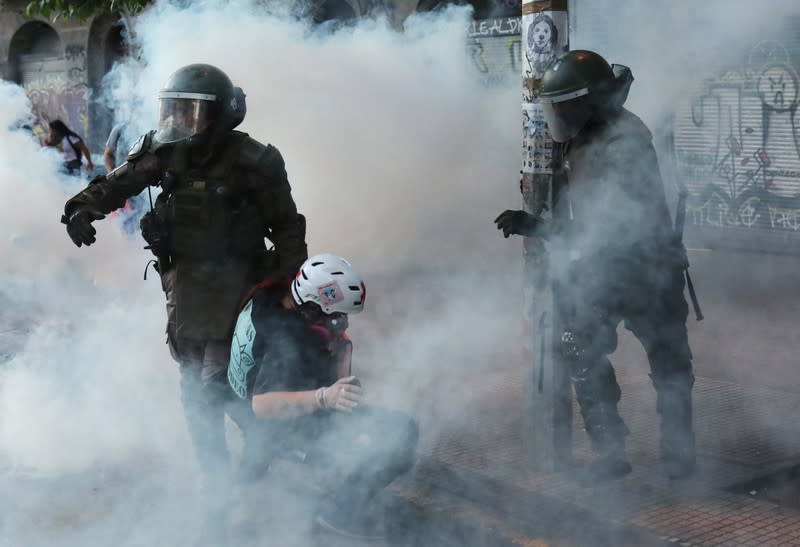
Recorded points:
(548, 424)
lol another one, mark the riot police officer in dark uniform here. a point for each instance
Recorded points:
(615, 256)
(222, 194)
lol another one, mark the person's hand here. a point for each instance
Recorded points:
(79, 225)
(515, 222)
(344, 395)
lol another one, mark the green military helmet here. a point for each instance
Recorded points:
(198, 100)
(578, 86)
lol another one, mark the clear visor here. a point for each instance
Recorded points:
(181, 118)
(567, 116)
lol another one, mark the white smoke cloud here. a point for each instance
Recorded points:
(397, 156)
(374, 126)
(673, 51)
(83, 312)
(672, 48)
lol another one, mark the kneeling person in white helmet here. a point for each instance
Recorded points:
(291, 359)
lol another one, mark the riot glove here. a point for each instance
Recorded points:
(516, 222)
(79, 224)
(344, 395)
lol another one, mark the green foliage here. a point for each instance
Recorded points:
(81, 9)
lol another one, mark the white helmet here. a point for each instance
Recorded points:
(330, 282)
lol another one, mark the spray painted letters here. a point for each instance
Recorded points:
(738, 145)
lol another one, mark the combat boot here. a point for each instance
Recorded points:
(611, 464)
(608, 444)
(678, 455)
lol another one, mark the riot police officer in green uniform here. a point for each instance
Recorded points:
(222, 194)
(615, 256)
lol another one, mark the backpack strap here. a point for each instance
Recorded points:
(78, 153)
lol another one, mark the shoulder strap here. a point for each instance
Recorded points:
(272, 283)
(77, 151)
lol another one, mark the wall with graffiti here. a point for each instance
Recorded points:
(495, 49)
(737, 147)
(51, 61)
(58, 97)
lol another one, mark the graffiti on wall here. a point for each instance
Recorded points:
(56, 87)
(495, 49)
(58, 99)
(738, 145)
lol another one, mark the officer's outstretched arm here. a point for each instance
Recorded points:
(285, 227)
(109, 192)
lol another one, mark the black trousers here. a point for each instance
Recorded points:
(362, 452)
(653, 307)
(72, 167)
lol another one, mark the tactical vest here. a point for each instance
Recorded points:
(208, 211)
(216, 238)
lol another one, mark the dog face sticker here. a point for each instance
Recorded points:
(541, 43)
(541, 36)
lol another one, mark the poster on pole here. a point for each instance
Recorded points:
(545, 35)
(537, 155)
(546, 431)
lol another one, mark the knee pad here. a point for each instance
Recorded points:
(572, 347)
(576, 344)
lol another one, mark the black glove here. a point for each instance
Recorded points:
(516, 222)
(79, 225)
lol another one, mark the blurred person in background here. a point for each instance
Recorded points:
(114, 155)
(72, 147)
(117, 146)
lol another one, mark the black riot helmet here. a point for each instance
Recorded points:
(580, 86)
(198, 101)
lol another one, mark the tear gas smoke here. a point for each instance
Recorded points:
(671, 58)
(677, 54)
(671, 62)
(374, 127)
(398, 158)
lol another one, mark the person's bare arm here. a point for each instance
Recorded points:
(343, 395)
(284, 404)
(108, 159)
